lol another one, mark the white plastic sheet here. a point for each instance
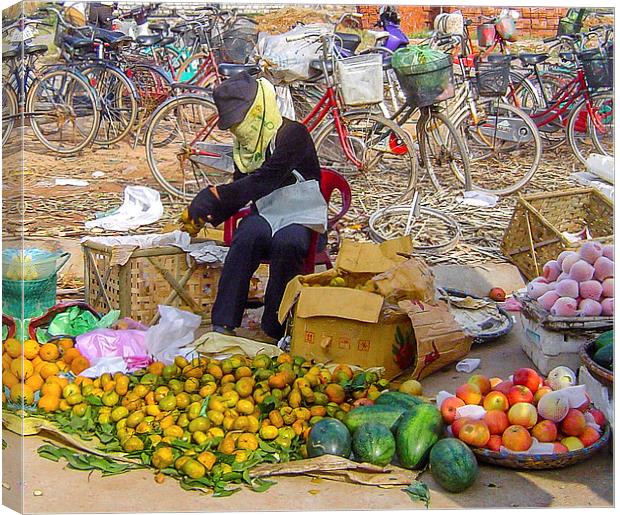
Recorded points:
(170, 337)
(144, 241)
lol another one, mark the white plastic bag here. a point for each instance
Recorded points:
(172, 334)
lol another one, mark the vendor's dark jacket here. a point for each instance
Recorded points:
(294, 150)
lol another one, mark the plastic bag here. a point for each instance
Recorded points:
(107, 343)
(75, 321)
(172, 334)
(408, 58)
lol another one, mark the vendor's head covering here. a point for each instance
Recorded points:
(233, 99)
(254, 124)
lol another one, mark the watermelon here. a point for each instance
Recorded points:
(329, 436)
(373, 443)
(389, 416)
(605, 356)
(418, 430)
(398, 399)
(604, 340)
(453, 465)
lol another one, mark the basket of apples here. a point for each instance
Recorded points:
(526, 421)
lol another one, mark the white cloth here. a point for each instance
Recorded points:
(141, 206)
(144, 241)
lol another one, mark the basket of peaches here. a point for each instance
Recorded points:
(526, 421)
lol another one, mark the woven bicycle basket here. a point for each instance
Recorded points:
(542, 461)
(585, 353)
(540, 223)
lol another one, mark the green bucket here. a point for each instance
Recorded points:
(38, 296)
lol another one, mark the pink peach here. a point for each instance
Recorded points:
(590, 251)
(608, 307)
(567, 288)
(581, 271)
(569, 260)
(589, 308)
(562, 276)
(608, 287)
(537, 288)
(608, 252)
(564, 307)
(551, 270)
(547, 300)
(590, 290)
(603, 268)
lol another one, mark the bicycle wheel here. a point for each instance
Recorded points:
(587, 136)
(118, 103)
(153, 87)
(63, 110)
(178, 131)
(503, 144)
(431, 231)
(386, 171)
(10, 109)
(194, 71)
(442, 149)
(553, 135)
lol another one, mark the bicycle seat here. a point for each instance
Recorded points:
(179, 29)
(168, 40)
(108, 36)
(148, 40)
(347, 41)
(532, 59)
(498, 58)
(229, 69)
(10, 54)
(76, 42)
(121, 41)
(35, 50)
(317, 64)
(159, 27)
(567, 56)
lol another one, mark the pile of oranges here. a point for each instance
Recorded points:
(31, 367)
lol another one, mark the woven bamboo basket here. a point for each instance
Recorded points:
(542, 461)
(535, 234)
(137, 281)
(606, 376)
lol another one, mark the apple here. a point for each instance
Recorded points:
(598, 415)
(523, 414)
(503, 387)
(572, 443)
(541, 392)
(475, 433)
(469, 393)
(494, 381)
(559, 448)
(458, 424)
(589, 436)
(448, 408)
(516, 438)
(495, 401)
(497, 294)
(573, 423)
(519, 393)
(494, 443)
(545, 431)
(527, 377)
(496, 421)
(482, 382)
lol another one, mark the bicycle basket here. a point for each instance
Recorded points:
(361, 79)
(429, 83)
(239, 41)
(566, 26)
(486, 35)
(493, 77)
(598, 68)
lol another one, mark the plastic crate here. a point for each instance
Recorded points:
(361, 79)
(27, 299)
(493, 78)
(598, 68)
(428, 84)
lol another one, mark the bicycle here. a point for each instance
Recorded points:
(59, 103)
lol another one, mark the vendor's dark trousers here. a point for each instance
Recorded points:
(253, 243)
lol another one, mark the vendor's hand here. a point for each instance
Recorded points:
(188, 225)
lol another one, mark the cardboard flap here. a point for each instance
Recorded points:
(363, 257)
(340, 303)
(291, 292)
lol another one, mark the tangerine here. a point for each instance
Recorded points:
(9, 379)
(31, 349)
(156, 368)
(79, 364)
(51, 389)
(22, 368)
(70, 354)
(12, 347)
(65, 343)
(35, 382)
(49, 403)
(48, 370)
(21, 393)
(49, 352)
(62, 381)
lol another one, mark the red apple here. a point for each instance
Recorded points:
(494, 381)
(519, 393)
(458, 424)
(497, 294)
(559, 448)
(495, 401)
(573, 423)
(598, 415)
(475, 433)
(469, 393)
(545, 431)
(482, 382)
(494, 443)
(448, 408)
(496, 421)
(503, 387)
(589, 436)
(527, 377)
(523, 414)
(541, 392)
(517, 438)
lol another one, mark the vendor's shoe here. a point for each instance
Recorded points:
(224, 329)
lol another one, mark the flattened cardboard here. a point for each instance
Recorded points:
(340, 303)
(363, 257)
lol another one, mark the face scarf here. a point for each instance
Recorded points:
(255, 132)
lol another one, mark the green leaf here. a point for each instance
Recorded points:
(418, 492)
(261, 485)
(93, 400)
(226, 493)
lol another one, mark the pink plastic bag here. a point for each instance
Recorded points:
(104, 343)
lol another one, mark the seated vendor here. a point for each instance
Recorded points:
(267, 150)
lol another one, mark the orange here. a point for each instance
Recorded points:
(83, 381)
(49, 403)
(48, 369)
(22, 393)
(70, 354)
(156, 368)
(35, 382)
(22, 368)
(12, 347)
(49, 352)
(62, 381)
(65, 343)
(51, 389)
(6, 361)
(79, 364)
(9, 379)
(36, 361)
(62, 366)
(31, 349)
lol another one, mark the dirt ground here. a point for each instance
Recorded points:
(588, 484)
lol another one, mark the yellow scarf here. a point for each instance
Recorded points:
(255, 132)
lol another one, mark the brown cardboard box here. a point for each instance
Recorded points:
(347, 325)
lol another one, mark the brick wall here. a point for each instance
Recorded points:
(534, 22)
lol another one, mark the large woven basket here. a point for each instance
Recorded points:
(542, 461)
(535, 234)
(607, 376)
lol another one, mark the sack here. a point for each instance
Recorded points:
(300, 203)
(286, 57)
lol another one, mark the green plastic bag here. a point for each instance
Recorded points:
(414, 59)
(74, 322)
